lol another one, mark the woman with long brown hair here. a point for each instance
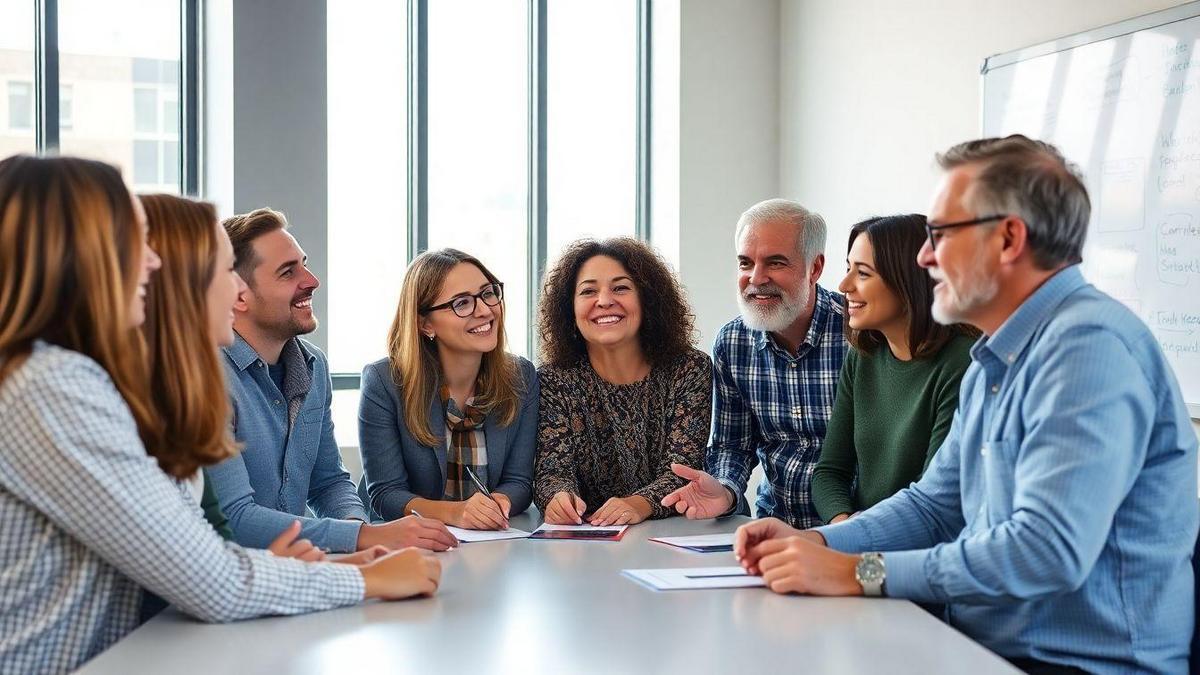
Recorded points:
(90, 520)
(447, 421)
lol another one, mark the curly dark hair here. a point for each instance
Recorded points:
(668, 328)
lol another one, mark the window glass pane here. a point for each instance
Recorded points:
(170, 163)
(145, 110)
(591, 114)
(145, 162)
(367, 235)
(20, 105)
(118, 56)
(478, 51)
(16, 68)
(170, 116)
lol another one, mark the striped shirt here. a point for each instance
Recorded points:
(771, 407)
(89, 520)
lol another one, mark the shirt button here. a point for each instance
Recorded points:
(983, 451)
(276, 401)
(792, 364)
(995, 388)
(796, 411)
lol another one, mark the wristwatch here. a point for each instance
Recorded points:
(871, 574)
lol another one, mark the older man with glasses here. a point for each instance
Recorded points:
(1058, 518)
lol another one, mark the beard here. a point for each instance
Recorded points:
(953, 303)
(286, 326)
(772, 319)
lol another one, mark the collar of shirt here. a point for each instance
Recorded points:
(1018, 330)
(822, 314)
(243, 355)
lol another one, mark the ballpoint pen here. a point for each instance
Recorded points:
(480, 486)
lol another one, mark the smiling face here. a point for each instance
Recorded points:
(279, 302)
(608, 309)
(147, 265)
(455, 335)
(870, 303)
(773, 280)
(963, 265)
(223, 291)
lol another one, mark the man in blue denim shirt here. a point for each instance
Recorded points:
(281, 392)
(1058, 518)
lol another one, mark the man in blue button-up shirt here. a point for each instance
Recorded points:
(281, 392)
(1058, 519)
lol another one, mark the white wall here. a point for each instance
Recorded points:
(870, 89)
(728, 144)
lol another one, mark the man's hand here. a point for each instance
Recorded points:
(564, 508)
(764, 529)
(286, 545)
(703, 496)
(622, 511)
(481, 512)
(401, 574)
(425, 533)
(797, 564)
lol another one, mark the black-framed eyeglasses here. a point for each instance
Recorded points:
(931, 230)
(464, 305)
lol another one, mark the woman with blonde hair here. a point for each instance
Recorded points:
(447, 422)
(90, 520)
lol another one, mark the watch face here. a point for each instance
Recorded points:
(870, 570)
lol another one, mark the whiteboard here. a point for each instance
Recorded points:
(1123, 103)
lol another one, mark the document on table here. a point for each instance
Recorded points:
(695, 578)
(582, 532)
(468, 536)
(701, 543)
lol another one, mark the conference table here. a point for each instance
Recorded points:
(548, 606)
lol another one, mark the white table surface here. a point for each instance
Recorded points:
(564, 607)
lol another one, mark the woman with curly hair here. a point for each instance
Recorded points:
(624, 394)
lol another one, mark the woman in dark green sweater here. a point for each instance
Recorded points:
(899, 382)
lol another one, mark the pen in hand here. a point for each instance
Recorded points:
(483, 489)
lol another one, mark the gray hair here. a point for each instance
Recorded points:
(1030, 179)
(810, 235)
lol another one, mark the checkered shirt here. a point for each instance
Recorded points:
(772, 407)
(88, 520)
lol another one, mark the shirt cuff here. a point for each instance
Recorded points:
(343, 535)
(906, 577)
(733, 489)
(848, 536)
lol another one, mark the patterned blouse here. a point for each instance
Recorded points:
(601, 440)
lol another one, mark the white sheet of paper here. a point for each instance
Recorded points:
(693, 578)
(469, 536)
(583, 528)
(698, 540)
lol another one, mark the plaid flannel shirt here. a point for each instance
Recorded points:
(771, 407)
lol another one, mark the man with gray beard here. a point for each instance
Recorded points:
(776, 370)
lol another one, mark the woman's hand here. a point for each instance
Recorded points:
(286, 545)
(622, 511)
(481, 512)
(564, 508)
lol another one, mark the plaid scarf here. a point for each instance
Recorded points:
(465, 447)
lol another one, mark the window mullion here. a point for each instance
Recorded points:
(536, 188)
(46, 76)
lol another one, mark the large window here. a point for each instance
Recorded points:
(115, 72)
(526, 128)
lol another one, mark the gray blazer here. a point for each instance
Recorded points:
(396, 468)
